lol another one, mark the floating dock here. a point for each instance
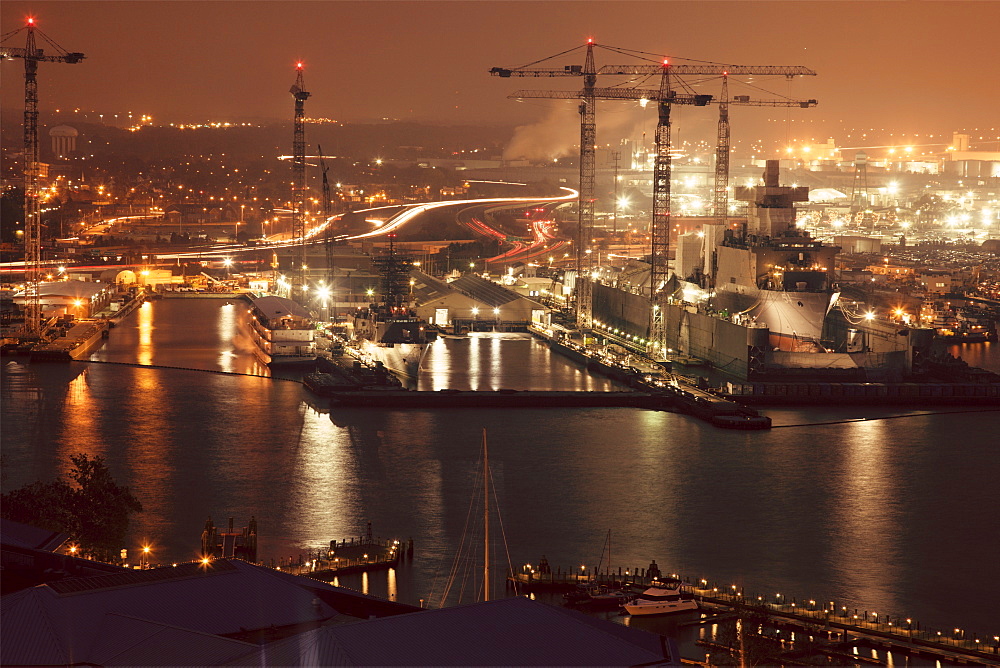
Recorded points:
(496, 399)
(75, 343)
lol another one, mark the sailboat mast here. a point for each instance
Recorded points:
(486, 520)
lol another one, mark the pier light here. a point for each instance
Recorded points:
(72, 549)
(204, 561)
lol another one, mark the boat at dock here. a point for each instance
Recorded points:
(75, 343)
(389, 332)
(663, 597)
(282, 331)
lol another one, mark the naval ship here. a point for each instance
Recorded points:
(389, 332)
(767, 273)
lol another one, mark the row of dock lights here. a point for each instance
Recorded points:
(864, 617)
(617, 332)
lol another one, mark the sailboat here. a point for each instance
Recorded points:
(461, 573)
(594, 594)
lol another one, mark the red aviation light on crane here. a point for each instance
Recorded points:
(298, 66)
(31, 20)
(666, 62)
(590, 40)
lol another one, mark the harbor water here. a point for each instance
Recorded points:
(881, 509)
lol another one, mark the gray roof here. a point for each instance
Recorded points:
(74, 289)
(24, 535)
(484, 291)
(279, 307)
(427, 288)
(507, 632)
(71, 620)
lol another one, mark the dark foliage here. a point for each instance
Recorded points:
(92, 508)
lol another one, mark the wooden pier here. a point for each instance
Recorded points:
(355, 555)
(838, 628)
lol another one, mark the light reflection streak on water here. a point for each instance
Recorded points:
(81, 428)
(225, 326)
(865, 516)
(391, 579)
(144, 351)
(326, 495)
(496, 360)
(474, 364)
(150, 461)
(364, 582)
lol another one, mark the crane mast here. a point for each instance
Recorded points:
(32, 55)
(721, 204)
(300, 94)
(588, 159)
(665, 97)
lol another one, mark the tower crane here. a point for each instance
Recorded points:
(588, 159)
(327, 211)
(665, 97)
(721, 201)
(32, 55)
(300, 94)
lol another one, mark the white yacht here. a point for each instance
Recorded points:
(662, 597)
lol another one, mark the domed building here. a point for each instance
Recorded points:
(63, 140)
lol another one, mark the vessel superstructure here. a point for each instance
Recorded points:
(283, 332)
(767, 272)
(389, 331)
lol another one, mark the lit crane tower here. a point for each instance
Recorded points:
(327, 211)
(300, 94)
(588, 153)
(588, 161)
(32, 55)
(665, 98)
(721, 207)
(721, 202)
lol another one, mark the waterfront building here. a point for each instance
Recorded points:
(81, 299)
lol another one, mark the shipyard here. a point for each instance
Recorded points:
(718, 340)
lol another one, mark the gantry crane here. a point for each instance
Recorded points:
(665, 98)
(32, 55)
(299, 188)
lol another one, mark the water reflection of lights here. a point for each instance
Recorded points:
(81, 433)
(865, 514)
(144, 354)
(325, 468)
(225, 326)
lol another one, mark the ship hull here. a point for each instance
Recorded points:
(402, 359)
(788, 315)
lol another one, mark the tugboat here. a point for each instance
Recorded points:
(389, 331)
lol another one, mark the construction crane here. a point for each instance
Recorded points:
(588, 158)
(665, 98)
(721, 199)
(328, 244)
(300, 94)
(32, 55)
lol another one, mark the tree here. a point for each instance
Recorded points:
(95, 511)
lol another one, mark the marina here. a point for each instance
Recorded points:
(121, 346)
